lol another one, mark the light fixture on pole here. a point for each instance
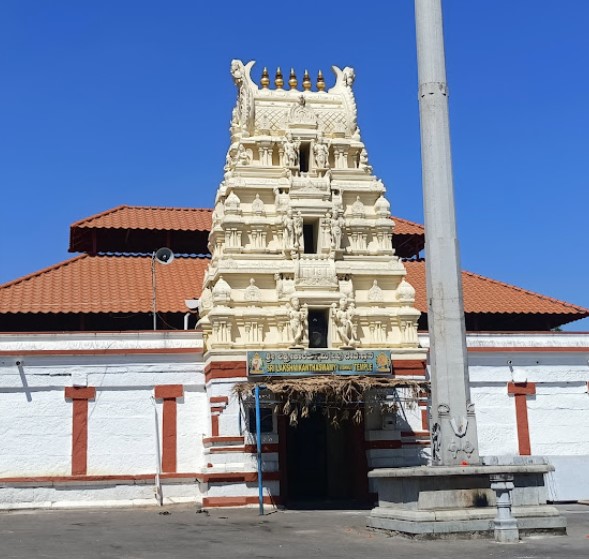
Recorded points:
(164, 256)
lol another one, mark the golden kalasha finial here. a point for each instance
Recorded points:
(320, 81)
(265, 81)
(306, 81)
(278, 81)
(292, 80)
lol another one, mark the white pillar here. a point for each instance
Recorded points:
(453, 425)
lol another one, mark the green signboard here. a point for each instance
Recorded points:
(310, 362)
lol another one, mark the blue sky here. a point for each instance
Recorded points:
(105, 103)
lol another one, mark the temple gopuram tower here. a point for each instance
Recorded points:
(301, 239)
(303, 272)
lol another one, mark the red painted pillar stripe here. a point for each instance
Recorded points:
(80, 397)
(218, 404)
(169, 393)
(520, 390)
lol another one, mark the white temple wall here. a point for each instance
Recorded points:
(554, 367)
(193, 425)
(36, 432)
(120, 430)
(496, 421)
(36, 418)
(555, 432)
(112, 457)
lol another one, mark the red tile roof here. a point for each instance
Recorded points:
(119, 284)
(138, 229)
(147, 217)
(183, 219)
(485, 295)
(104, 284)
(406, 227)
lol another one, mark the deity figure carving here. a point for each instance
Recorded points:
(252, 292)
(343, 319)
(258, 205)
(436, 438)
(288, 235)
(321, 152)
(206, 299)
(297, 321)
(337, 226)
(291, 152)
(337, 202)
(298, 231)
(230, 161)
(217, 215)
(363, 161)
(281, 200)
(326, 231)
(234, 118)
(358, 208)
(243, 157)
(279, 285)
(346, 286)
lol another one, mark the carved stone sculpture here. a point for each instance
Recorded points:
(297, 318)
(243, 157)
(346, 286)
(382, 208)
(375, 293)
(321, 153)
(337, 226)
(326, 231)
(222, 291)
(343, 320)
(363, 162)
(405, 292)
(358, 208)
(281, 200)
(232, 203)
(288, 235)
(291, 152)
(349, 76)
(258, 205)
(252, 292)
(279, 285)
(298, 231)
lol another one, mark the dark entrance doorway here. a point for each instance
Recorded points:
(318, 321)
(325, 466)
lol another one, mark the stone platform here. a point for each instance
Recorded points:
(430, 502)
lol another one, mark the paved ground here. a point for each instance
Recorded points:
(184, 533)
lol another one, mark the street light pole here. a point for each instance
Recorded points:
(453, 422)
(153, 292)
(164, 256)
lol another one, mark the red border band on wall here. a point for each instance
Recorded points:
(169, 393)
(80, 397)
(520, 390)
(408, 368)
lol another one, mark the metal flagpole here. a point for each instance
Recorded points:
(259, 449)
